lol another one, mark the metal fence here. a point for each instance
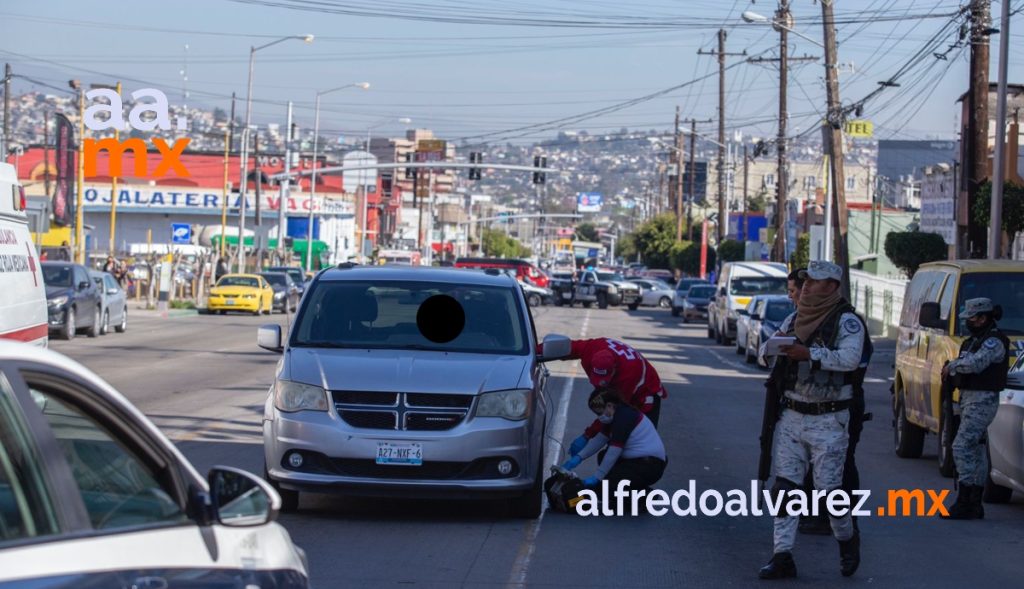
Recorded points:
(879, 300)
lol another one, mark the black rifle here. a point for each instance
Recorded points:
(772, 411)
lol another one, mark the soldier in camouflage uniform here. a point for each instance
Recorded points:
(813, 428)
(980, 373)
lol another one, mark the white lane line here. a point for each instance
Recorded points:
(521, 566)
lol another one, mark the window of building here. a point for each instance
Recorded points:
(768, 180)
(810, 182)
(851, 183)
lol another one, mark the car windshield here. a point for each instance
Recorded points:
(276, 279)
(701, 292)
(777, 311)
(238, 281)
(758, 285)
(295, 273)
(1003, 288)
(609, 277)
(383, 315)
(684, 285)
(57, 275)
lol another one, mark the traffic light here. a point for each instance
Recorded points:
(475, 157)
(410, 173)
(539, 162)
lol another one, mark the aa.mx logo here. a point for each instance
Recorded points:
(170, 155)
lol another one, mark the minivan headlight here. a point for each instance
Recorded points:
(295, 396)
(513, 405)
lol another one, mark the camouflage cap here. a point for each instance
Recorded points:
(822, 270)
(976, 306)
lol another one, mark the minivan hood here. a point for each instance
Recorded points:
(404, 370)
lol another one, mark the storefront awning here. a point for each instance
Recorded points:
(298, 245)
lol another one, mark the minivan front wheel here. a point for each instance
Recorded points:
(531, 503)
(948, 425)
(909, 438)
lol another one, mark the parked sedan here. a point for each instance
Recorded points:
(653, 293)
(765, 317)
(72, 299)
(694, 303)
(1006, 440)
(93, 495)
(114, 302)
(286, 293)
(682, 287)
(297, 274)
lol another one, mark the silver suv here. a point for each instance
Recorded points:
(410, 382)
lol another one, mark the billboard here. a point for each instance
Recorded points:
(589, 202)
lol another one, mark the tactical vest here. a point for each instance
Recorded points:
(993, 378)
(826, 335)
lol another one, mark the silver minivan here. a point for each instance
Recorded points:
(409, 382)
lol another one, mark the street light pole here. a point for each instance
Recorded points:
(312, 177)
(243, 181)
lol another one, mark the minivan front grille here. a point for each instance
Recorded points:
(402, 411)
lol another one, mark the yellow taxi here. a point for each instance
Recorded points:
(241, 292)
(930, 333)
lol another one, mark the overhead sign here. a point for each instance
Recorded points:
(181, 233)
(589, 202)
(863, 129)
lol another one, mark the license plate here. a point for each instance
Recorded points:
(566, 295)
(229, 302)
(400, 453)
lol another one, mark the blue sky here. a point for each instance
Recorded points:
(471, 79)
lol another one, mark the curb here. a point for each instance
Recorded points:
(169, 313)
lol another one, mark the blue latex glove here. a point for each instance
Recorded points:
(578, 445)
(591, 482)
(572, 463)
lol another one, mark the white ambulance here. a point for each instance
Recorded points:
(23, 315)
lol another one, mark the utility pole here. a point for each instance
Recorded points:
(7, 112)
(745, 232)
(113, 196)
(723, 218)
(693, 179)
(995, 226)
(231, 124)
(976, 170)
(834, 143)
(679, 179)
(285, 188)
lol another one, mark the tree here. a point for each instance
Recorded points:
(1013, 207)
(686, 258)
(625, 247)
(497, 244)
(654, 240)
(909, 249)
(731, 250)
(802, 254)
(587, 232)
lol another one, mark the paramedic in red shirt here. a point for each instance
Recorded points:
(614, 365)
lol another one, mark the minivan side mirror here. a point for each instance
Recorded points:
(929, 316)
(555, 347)
(241, 499)
(83, 285)
(268, 337)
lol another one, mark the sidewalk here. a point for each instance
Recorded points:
(138, 309)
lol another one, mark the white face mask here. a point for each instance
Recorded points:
(605, 419)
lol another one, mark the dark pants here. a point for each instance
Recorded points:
(641, 473)
(655, 411)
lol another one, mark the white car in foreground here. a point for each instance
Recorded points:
(93, 495)
(1006, 440)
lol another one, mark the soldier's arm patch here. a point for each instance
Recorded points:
(852, 325)
(991, 343)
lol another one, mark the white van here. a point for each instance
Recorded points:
(739, 282)
(23, 312)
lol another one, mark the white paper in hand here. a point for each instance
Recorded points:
(774, 345)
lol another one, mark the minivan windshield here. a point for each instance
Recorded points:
(700, 292)
(757, 285)
(1004, 288)
(383, 315)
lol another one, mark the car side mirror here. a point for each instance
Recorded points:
(240, 499)
(929, 316)
(269, 337)
(83, 285)
(555, 347)
(755, 317)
